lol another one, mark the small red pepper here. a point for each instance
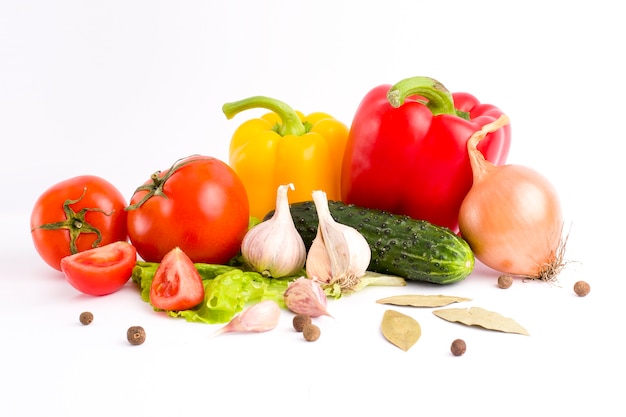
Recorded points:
(406, 151)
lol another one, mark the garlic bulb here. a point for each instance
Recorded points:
(274, 248)
(339, 254)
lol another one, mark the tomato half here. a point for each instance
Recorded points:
(177, 284)
(199, 205)
(77, 214)
(102, 270)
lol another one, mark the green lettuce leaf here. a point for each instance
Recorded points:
(227, 290)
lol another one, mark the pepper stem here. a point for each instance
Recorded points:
(291, 123)
(440, 100)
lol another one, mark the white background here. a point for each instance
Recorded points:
(121, 89)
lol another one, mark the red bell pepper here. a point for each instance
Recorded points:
(406, 151)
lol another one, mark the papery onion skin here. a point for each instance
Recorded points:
(512, 220)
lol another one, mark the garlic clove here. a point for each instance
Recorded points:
(274, 248)
(306, 296)
(318, 262)
(260, 317)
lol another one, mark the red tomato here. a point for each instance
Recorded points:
(177, 284)
(199, 205)
(101, 270)
(77, 214)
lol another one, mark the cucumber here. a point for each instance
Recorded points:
(415, 250)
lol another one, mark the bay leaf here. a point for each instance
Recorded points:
(400, 329)
(476, 316)
(416, 300)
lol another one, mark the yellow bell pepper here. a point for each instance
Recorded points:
(285, 147)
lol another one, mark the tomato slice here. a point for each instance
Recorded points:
(102, 270)
(177, 284)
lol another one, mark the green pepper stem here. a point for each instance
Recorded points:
(291, 123)
(440, 100)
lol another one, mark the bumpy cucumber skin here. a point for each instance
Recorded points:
(412, 249)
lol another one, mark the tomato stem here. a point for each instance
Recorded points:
(75, 223)
(155, 188)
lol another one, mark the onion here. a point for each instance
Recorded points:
(511, 217)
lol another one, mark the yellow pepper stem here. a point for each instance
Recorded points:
(291, 123)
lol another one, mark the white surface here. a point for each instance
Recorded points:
(121, 89)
